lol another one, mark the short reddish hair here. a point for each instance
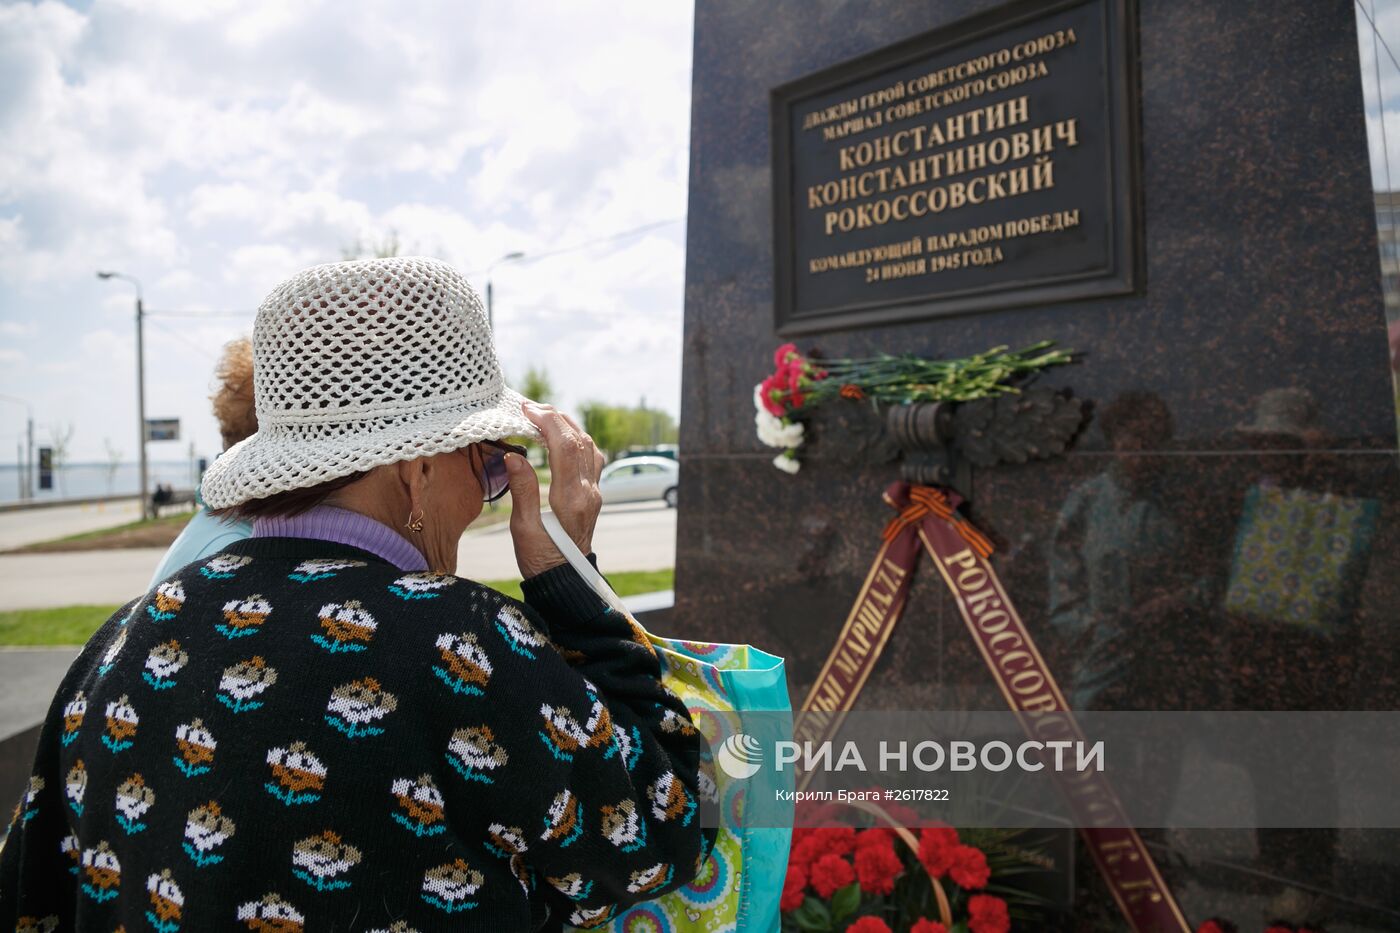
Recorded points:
(233, 392)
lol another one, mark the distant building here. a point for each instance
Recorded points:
(1388, 238)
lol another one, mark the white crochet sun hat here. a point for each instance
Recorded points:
(363, 363)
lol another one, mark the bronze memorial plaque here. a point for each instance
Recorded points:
(990, 163)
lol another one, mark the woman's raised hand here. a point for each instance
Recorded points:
(574, 465)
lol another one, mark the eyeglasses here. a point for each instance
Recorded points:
(494, 478)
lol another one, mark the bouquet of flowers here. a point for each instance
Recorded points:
(878, 879)
(800, 383)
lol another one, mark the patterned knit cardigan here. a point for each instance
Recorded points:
(297, 735)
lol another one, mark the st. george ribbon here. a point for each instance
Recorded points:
(929, 520)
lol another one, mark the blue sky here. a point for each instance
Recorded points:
(211, 149)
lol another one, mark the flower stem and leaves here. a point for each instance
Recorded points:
(800, 383)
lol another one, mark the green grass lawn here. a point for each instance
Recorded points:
(177, 520)
(73, 625)
(70, 625)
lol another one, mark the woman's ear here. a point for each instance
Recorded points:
(412, 476)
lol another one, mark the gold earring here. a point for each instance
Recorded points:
(415, 524)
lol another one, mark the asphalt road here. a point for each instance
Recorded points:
(634, 536)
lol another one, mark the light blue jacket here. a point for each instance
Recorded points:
(203, 536)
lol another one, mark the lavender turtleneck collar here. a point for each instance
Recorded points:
(328, 523)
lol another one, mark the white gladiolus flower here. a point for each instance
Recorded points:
(787, 463)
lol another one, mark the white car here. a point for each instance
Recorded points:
(639, 479)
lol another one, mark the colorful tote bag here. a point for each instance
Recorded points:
(1301, 557)
(734, 693)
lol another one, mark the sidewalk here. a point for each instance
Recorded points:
(628, 537)
(19, 527)
(76, 578)
(28, 679)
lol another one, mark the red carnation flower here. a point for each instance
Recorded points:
(875, 835)
(876, 867)
(1217, 925)
(869, 925)
(813, 843)
(1278, 928)
(801, 852)
(766, 391)
(836, 840)
(928, 926)
(806, 851)
(795, 394)
(987, 914)
(780, 355)
(830, 873)
(969, 869)
(936, 845)
(794, 890)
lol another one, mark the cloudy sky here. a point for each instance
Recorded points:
(1381, 47)
(210, 149)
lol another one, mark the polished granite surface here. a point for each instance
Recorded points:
(1250, 375)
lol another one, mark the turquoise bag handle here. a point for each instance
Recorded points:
(762, 686)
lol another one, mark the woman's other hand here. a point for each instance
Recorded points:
(574, 464)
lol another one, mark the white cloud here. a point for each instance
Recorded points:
(1380, 47)
(260, 266)
(13, 330)
(211, 149)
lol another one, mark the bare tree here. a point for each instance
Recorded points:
(114, 462)
(60, 439)
(384, 249)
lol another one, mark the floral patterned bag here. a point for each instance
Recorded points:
(739, 886)
(1301, 556)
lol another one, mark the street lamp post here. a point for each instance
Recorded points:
(27, 468)
(490, 303)
(508, 257)
(140, 385)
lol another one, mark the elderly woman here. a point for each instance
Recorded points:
(322, 727)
